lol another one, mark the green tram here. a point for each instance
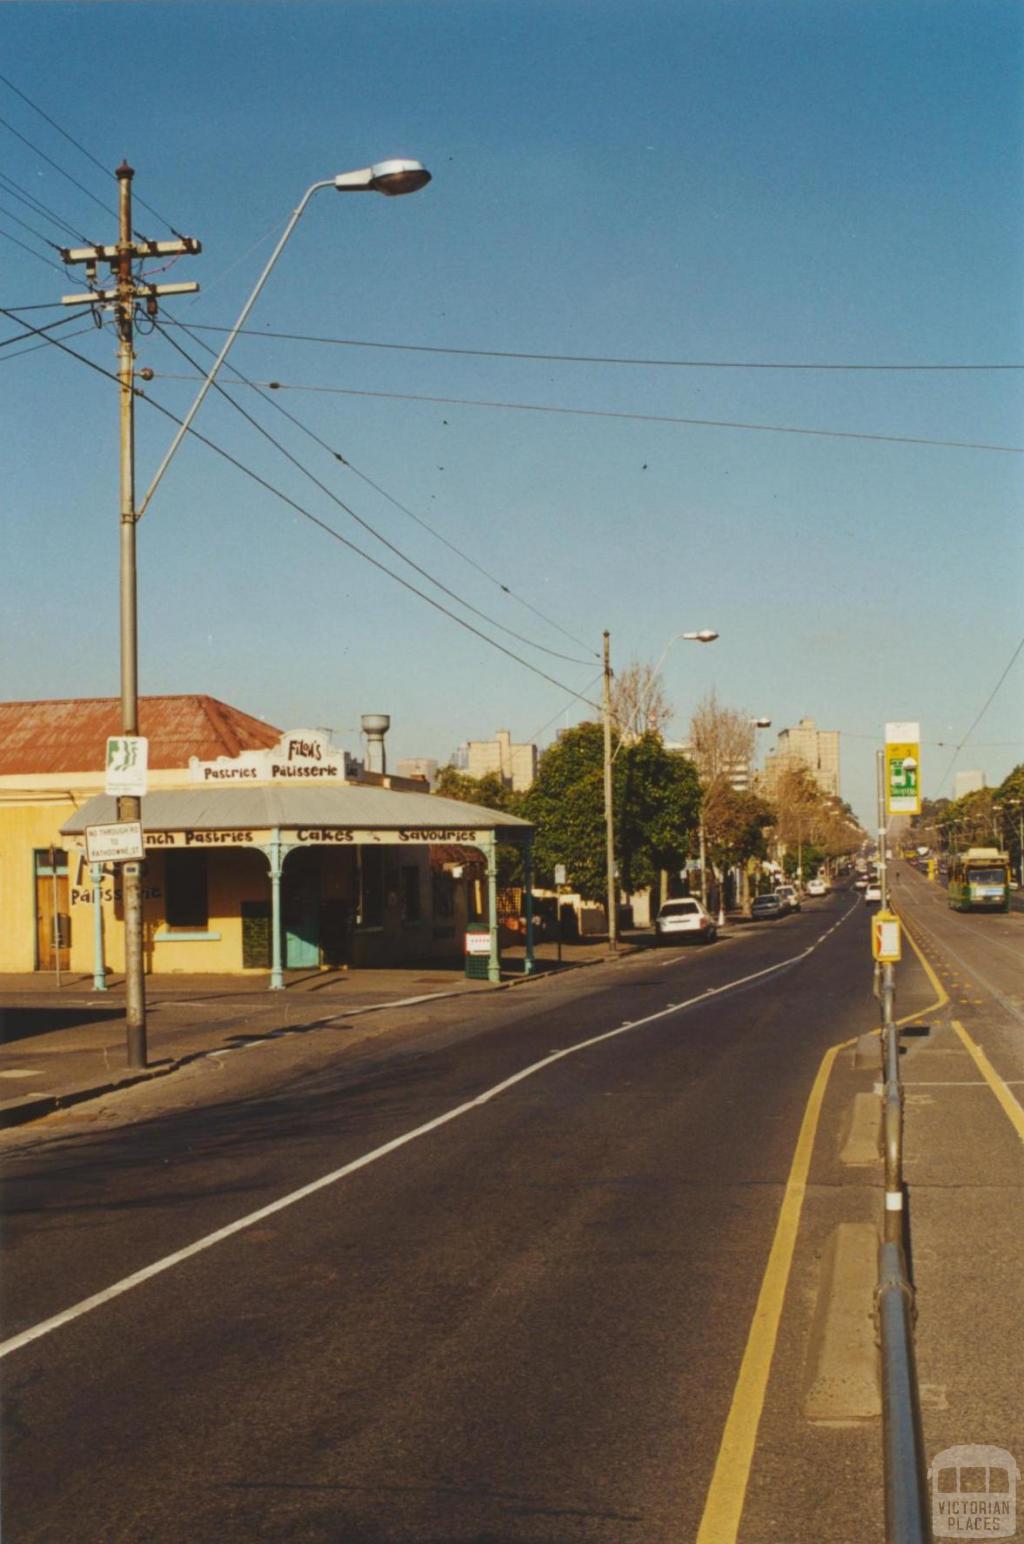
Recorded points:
(979, 880)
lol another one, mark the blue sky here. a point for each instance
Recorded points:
(731, 183)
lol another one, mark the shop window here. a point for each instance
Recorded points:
(185, 889)
(412, 909)
(371, 887)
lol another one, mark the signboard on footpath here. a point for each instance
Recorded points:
(903, 769)
(886, 937)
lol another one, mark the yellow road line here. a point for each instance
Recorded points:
(723, 1507)
(1011, 1106)
(727, 1491)
(942, 996)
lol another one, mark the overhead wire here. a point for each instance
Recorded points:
(599, 359)
(30, 228)
(58, 169)
(15, 190)
(30, 250)
(988, 703)
(656, 418)
(80, 147)
(366, 525)
(317, 521)
(30, 348)
(28, 332)
(369, 481)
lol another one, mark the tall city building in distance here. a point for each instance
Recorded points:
(817, 749)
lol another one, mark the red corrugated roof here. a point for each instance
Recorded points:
(70, 735)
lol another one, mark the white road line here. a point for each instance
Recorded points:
(137, 1278)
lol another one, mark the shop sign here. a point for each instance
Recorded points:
(300, 756)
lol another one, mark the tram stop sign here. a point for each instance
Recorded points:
(903, 769)
(886, 937)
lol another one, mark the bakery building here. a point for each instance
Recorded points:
(265, 850)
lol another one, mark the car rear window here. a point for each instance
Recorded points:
(678, 909)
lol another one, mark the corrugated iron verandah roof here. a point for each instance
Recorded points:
(272, 808)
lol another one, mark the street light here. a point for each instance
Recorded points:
(391, 178)
(705, 635)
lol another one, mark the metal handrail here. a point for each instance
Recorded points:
(907, 1513)
(907, 1509)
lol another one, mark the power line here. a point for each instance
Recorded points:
(655, 418)
(78, 146)
(600, 359)
(981, 715)
(31, 348)
(28, 332)
(31, 250)
(345, 461)
(37, 206)
(460, 600)
(58, 169)
(317, 521)
(30, 228)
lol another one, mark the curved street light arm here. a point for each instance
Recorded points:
(229, 340)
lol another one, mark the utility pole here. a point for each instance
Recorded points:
(609, 813)
(122, 298)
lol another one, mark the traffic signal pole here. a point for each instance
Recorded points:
(122, 299)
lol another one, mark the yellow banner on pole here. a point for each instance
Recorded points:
(903, 769)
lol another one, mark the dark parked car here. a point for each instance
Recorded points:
(766, 908)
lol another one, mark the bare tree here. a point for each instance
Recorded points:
(638, 702)
(722, 745)
(722, 740)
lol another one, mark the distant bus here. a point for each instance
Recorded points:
(979, 880)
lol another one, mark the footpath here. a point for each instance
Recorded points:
(63, 1044)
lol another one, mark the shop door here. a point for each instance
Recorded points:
(53, 922)
(300, 908)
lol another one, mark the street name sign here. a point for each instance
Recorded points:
(127, 765)
(119, 843)
(886, 937)
(903, 769)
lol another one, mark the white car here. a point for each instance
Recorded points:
(817, 887)
(789, 896)
(873, 893)
(682, 919)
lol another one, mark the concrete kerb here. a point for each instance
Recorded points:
(20, 1112)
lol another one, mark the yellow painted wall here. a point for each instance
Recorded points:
(23, 828)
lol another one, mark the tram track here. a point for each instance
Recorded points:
(939, 940)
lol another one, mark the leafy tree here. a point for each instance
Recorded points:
(656, 796)
(1010, 798)
(735, 825)
(489, 790)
